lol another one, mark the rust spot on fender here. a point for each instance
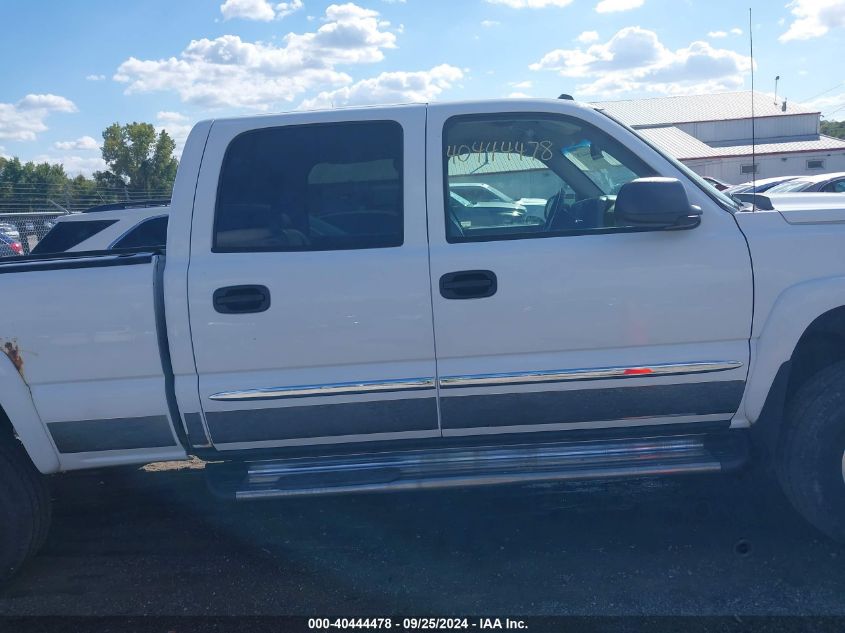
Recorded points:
(11, 349)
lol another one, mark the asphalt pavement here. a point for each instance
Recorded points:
(153, 541)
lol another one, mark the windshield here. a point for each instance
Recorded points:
(726, 201)
(607, 173)
(739, 189)
(792, 185)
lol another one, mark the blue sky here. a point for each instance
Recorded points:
(72, 68)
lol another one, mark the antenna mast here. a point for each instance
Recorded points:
(753, 130)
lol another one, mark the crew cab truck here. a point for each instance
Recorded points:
(320, 323)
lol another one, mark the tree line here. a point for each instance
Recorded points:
(140, 164)
(833, 128)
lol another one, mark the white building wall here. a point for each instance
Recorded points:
(766, 127)
(728, 170)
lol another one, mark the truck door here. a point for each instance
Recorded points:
(309, 295)
(549, 315)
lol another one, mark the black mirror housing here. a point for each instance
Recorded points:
(657, 203)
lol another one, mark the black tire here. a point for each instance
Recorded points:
(25, 507)
(810, 451)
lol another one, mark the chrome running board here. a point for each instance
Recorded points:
(478, 466)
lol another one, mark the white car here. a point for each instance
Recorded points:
(319, 324)
(481, 193)
(107, 227)
(10, 230)
(824, 183)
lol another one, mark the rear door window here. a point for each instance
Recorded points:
(332, 186)
(837, 186)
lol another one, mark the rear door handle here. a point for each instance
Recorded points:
(468, 284)
(241, 299)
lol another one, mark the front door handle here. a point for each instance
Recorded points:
(468, 284)
(241, 299)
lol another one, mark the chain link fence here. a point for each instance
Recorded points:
(28, 212)
(25, 230)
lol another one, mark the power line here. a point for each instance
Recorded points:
(842, 83)
(842, 107)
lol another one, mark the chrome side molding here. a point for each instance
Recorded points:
(475, 380)
(566, 375)
(332, 389)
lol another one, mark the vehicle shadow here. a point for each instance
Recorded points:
(136, 541)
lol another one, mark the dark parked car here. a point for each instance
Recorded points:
(721, 186)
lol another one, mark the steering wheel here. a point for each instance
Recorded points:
(556, 205)
(456, 229)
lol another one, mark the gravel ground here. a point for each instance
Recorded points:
(153, 541)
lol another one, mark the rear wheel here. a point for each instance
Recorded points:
(24, 507)
(811, 451)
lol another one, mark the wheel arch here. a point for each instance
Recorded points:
(805, 333)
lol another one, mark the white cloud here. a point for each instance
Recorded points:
(722, 34)
(95, 77)
(390, 87)
(531, 4)
(22, 121)
(588, 36)
(827, 104)
(634, 59)
(522, 85)
(614, 6)
(74, 165)
(813, 18)
(228, 72)
(82, 143)
(261, 10)
(518, 95)
(489, 23)
(54, 103)
(171, 117)
(177, 125)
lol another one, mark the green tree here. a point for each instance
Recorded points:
(833, 128)
(138, 157)
(24, 186)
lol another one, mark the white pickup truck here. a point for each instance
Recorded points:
(320, 322)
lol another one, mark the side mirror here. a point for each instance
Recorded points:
(657, 203)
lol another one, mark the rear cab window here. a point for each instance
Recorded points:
(65, 235)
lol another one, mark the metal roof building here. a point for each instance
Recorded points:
(712, 134)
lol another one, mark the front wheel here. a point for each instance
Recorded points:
(811, 451)
(24, 507)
